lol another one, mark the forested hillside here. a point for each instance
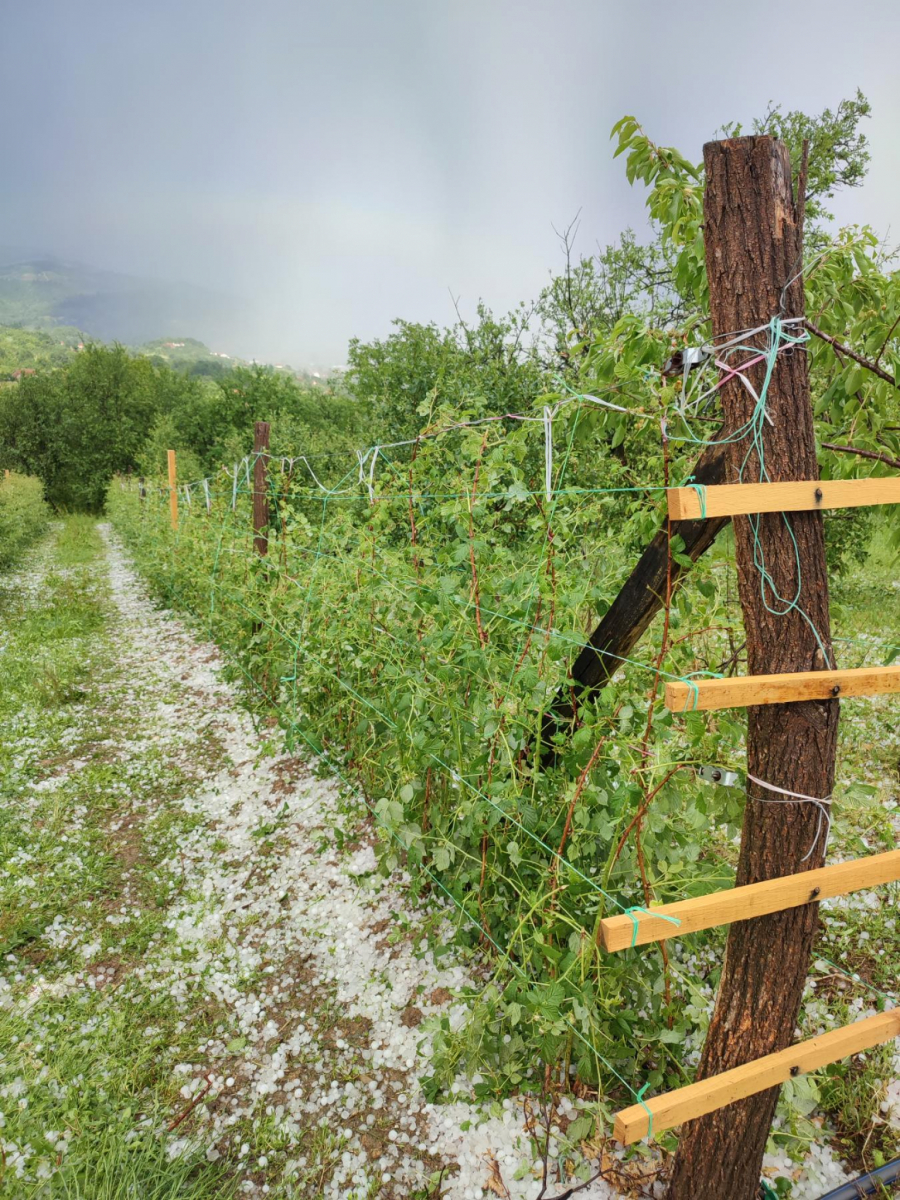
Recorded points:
(31, 350)
(48, 293)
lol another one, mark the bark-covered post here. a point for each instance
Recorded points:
(261, 487)
(754, 243)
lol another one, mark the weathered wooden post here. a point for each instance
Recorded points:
(754, 245)
(261, 487)
(173, 490)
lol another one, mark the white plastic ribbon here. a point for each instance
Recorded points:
(548, 453)
(372, 475)
(824, 812)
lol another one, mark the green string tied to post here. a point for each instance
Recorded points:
(636, 908)
(639, 1096)
(700, 489)
(693, 700)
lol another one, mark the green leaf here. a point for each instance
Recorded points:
(580, 1128)
(854, 378)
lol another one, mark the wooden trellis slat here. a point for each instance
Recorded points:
(737, 499)
(745, 690)
(753, 900)
(684, 1104)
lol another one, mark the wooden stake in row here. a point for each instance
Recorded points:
(747, 690)
(684, 1104)
(738, 499)
(260, 487)
(743, 903)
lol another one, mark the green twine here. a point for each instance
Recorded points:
(636, 908)
(700, 489)
(753, 431)
(693, 700)
(777, 335)
(639, 1097)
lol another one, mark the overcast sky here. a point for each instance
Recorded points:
(344, 162)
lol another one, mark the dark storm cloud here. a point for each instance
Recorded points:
(336, 165)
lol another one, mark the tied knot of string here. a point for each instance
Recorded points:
(822, 805)
(693, 698)
(700, 489)
(637, 908)
(370, 457)
(639, 1096)
(718, 352)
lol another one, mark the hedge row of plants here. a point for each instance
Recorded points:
(416, 639)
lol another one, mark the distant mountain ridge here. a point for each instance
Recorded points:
(45, 292)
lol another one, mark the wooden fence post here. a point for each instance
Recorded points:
(630, 615)
(261, 487)
(754, 243)
(173, 490)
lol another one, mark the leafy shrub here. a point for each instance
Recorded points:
(24, 516)
(417, 643)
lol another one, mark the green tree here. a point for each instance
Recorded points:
(657, 279)
(75, 428)
(471, 369)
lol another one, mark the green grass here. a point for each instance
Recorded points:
(24, 516)
(95, 1106)
(85, 1089)
(79, 541)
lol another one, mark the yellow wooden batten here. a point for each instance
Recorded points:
(697, 1099)
(743, 903)
(741, 499)
(746, 690)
